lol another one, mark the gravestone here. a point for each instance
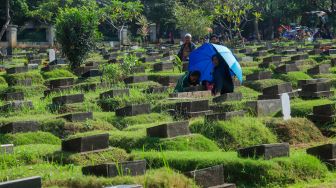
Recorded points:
(333, 62)
(164, 80)
(127, 168)
(264, 107)
(316, 90)
(133, 110)
(68, 99)
(86, 143)
(209, 177)
(300, 57)
(20, 126)
(274, 92)
(31, 182)
(6, 149)
(57, 63)
(114, 93)
(272, 59)
(13, 96)
(17, 105)
(315, 52)
(32, 66)
(236, 96)
(92, 73)
(326, 153)
(135, 79)
(286, 109)
(265, 151)
(78, 117)
(290, 52)
(163, 66)
(259, 76)
(52, 55)
(259, 53)
(284, 69)
(323, 114)
(26, 82)
(62, 82)
(169, 130)
(35, 61)
(161, 89)
(15, 70)
(138, 69)
(311, 81)
(195, 94)
(319, 69)
(224, 116)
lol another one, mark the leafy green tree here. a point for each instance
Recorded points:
(118, 13)
(77, 32)
(192, 20)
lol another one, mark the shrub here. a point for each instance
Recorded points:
(29, 138)
(112, 73)
(235, 133)
(295, 130)
(76, 31)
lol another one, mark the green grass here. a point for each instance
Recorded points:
(302, 108)
(35, 76)
(294, 77)
(57, 74)
(29, 138)
(235, 133)
(277, 172)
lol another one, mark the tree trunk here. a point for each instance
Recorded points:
(4, 27)
(256, 30)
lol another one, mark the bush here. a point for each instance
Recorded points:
(277, 172)
(29, 138)
(112, 73)
(259, 85)
(2, 81)
(77, 31)
(57, 73)
(235, 133)
(295, 130)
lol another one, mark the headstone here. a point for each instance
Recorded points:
(68, 99)
(323, 114)
(264, 107)
(195, 94)
(266, 151)
(163, 66)
(274, 92)
(17, 105)
(6, 149)
(169, 130)
(224, 116)
(62, 82)
(286, 68)
(92, 73)
(323, 152)
(316, 90)
(311, 81)
(299, 57)
(156, 89)
(259, 76)
(272, 59)
(114, 93)
(211, 177)
(127, 168)
(31, 182)
(191, 109)
(15, 70)
(20, 126)
(87, 143)
(319, 69)
(138, 69)
(237, 96)
(286, 109)
(164, 80)
(26, 82)
(133, 110)
(13, 96)
(52, 55)
(135, 79)
(78, 117)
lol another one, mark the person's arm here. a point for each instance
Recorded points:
(180, 53)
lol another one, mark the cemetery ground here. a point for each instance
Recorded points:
(67, 126)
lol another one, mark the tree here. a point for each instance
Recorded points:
(192, 20)
(232, 15)
(118, 13)
(143, 23)
(77, 32)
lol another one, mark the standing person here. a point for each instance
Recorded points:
(222, 76)
(214, 39)
(189, 79)
(187, 47)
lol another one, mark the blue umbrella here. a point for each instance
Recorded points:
(201, 60)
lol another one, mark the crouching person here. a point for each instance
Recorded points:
(189, 79)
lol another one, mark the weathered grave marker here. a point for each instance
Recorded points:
(169, 130)
(85, 144)
(266, 151)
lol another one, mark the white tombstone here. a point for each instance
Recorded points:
(286, 109)
(52, 55)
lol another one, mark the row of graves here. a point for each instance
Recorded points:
(196, 102)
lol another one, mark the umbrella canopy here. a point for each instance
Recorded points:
(201, 60)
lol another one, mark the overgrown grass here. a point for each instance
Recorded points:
(235, 133)
(294, 77)
(57, 73)
(29, 138)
